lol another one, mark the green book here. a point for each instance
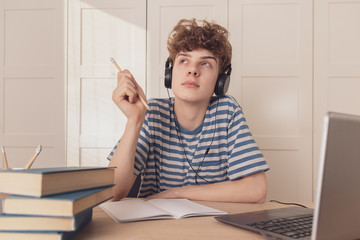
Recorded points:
(48, 181)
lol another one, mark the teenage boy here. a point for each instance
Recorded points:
(194, 145)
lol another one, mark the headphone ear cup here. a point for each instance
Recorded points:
(168, 74)
(168, 77)
(222, 84)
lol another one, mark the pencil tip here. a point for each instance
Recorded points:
(38, 149)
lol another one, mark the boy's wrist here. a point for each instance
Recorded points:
(134, 124)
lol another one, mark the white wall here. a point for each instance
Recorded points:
(293, 61)
(32, 81)
(272, 80)
(336, 63)
(99, 30)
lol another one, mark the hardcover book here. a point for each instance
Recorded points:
(47, 181)
(66, 204)
(23, 223)
(37, 235)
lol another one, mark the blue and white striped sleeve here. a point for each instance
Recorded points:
(142, 149)
(245, 157)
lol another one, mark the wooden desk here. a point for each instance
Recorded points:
(103, 227)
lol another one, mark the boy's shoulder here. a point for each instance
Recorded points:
(159, 100)
(165, 103)
(228, 101)
(159, 103)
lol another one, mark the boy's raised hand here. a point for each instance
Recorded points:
(127, 96)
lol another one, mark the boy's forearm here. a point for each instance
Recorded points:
(250, 189)
(123, 159)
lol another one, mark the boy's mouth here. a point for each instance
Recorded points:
(190, 84)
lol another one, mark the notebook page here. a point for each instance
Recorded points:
(130, 210)
(180, 208)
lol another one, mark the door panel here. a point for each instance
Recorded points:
(32, 80)
(99, 30)
(336, 64)
(272, 80)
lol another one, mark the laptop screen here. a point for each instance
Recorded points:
(337, 208)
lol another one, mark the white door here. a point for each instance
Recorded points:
(32, 81)
(272, 80)
(98, 30)
(336, 63)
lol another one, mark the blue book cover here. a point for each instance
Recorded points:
(66, 204)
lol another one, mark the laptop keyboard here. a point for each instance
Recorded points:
(298, 227)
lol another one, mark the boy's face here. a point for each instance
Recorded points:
(194, 75)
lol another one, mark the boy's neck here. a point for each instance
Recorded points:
(190, 115)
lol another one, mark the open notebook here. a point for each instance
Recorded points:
(130, 210)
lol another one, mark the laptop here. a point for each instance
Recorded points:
(337, 205)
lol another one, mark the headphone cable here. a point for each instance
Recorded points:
(182, 144)
(208, 148)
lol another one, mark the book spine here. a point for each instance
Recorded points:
(82, 218)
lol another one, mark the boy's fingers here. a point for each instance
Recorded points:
(126, 74)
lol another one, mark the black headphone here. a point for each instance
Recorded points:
(221, 86)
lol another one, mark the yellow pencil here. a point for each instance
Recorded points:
(4, 158)
(141, 99)
(33, 157)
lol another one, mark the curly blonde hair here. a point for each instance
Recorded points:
(193, 34)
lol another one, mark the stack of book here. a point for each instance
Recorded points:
(51, 203)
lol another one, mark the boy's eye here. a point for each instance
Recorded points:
(183, 61)
(206, 64)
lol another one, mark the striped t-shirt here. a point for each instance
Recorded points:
(220, 149)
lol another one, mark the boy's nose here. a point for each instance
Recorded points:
(192, 72)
